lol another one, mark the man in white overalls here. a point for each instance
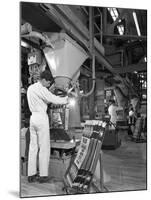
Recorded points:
(112, 112)
(38, 97)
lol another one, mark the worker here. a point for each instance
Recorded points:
(112, 112)
(38, 97)
(131, 121)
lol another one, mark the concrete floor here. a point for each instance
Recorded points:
(124, 169)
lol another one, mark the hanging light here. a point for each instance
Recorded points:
(136, 24)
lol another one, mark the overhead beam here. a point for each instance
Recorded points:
(104, 20)
(85, 71)
(68, 21)
(131, 68)
(124, 37)
(64, 23)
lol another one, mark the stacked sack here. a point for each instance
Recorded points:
(80, 172)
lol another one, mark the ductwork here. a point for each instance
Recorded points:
(26, 32)
(93, 78)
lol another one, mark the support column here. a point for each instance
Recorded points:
(100, 108)
(91, 102)
(104, 20)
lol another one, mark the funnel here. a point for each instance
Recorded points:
(64, 59)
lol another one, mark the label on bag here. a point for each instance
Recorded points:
(82, 151)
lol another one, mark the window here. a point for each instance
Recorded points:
(114, 13)
(120, 29)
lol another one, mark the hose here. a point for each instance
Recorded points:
(44, 38)
(93, 78)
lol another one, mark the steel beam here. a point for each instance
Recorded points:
(85, 71)
(67, 20)
(131, 68)
(91, 28)
(124, 37)
(63, 16)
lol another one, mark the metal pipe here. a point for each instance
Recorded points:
(93, 78)
(101, 27)
(91, 28)
(104, 19)
(125, 37)
(40, 36)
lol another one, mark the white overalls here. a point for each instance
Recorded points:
(38, 97)
(112, 112)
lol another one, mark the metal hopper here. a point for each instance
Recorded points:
(64, 59)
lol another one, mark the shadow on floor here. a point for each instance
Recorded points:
(14, 193)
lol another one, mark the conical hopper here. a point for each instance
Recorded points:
(64, 60)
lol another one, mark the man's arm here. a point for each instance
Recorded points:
(47, 96)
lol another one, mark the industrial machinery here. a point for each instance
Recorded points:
(64, 61)
(64, 57)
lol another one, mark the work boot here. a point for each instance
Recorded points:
(32, 178)
(43, 179)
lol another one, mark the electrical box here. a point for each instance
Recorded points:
(34, 58)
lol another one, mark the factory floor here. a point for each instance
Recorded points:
(124, 169)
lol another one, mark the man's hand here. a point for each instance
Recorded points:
(72, 94)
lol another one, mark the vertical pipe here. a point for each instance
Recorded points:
(91, 49)
(91, 102)
(104, 20)
(101, 28)
(91, 29)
